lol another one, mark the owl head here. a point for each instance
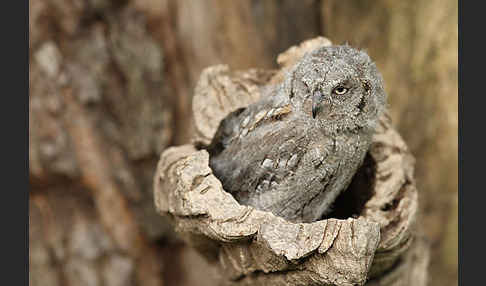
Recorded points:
(340, 87)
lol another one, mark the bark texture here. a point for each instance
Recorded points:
(414, 44)
(254, 247)
(98, 117)
(111, 85)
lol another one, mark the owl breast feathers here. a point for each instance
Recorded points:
(296, 149)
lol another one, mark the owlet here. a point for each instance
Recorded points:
(296, 149)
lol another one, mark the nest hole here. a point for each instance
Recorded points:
(351, 202)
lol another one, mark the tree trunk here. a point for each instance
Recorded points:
(414, 44)
(370, 238)
(99, 115)
(111, 85)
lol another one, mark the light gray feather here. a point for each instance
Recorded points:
(274, 155)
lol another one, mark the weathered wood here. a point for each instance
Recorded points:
(253, 247)
(98, 118)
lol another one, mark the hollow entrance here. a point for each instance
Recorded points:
(351, 202)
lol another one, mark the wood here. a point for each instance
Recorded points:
(135, 109)
(375, 241)
(98, 118)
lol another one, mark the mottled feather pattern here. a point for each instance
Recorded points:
(274, 156)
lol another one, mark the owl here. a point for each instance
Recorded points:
(297, 148)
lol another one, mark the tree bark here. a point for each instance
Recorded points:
(111, 85)
(98, 118)
(414, 44)
(371, 241)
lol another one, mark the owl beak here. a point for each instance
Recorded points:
(316, 100)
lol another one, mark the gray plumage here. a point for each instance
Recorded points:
(294, 151)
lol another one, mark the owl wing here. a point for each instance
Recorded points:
(238, 124)
(254, 161)
(245, 136)
(280, 166)
(257, 155)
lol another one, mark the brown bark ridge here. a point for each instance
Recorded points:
(370, 238)
(98, 117)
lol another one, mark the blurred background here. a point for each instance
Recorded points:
(110, 88)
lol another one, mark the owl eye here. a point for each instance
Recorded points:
(339, 90)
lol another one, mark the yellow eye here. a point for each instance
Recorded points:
(340, 90)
